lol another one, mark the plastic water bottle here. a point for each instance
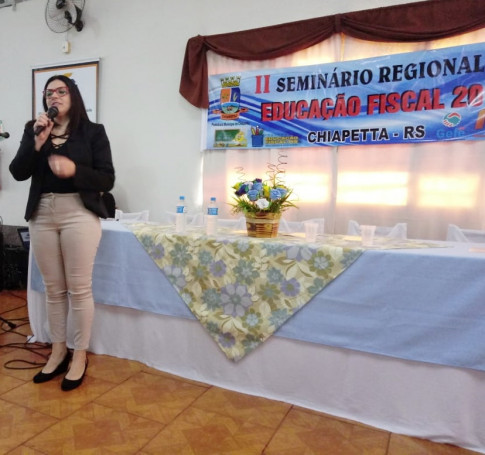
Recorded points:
(180, 215)
(211, 218)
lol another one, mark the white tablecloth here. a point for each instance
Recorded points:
(433, 399)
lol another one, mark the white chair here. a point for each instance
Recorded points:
(457, 234)
(399, 231)
(132, 217)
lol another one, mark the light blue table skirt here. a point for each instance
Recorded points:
(426, 304)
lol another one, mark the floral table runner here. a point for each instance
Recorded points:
(243, 289)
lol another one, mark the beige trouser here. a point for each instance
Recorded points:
(64, 236)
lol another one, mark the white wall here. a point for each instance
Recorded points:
(154, 132)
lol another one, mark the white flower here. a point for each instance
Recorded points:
(262, 204)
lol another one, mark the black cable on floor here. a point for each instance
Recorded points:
(30, 347)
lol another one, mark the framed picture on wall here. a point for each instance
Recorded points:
(85, 74)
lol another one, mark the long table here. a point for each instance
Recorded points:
(396, 341)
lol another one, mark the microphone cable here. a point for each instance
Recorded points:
(36, 348)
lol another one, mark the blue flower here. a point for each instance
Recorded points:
(291, 287)
(175, 276)
(269, 292)
(212, 299)
(322, 264)
(274, 275)
(205, 257)
(283, 192)
(252, 319)
(146, 240)
(180, 255)
(200, 272)
(157, 251)
(218, 268)
(278, 317)
(275, 194)
(242, 245)
(257, 196)
(253, 194)
(227, 340)
(235, 299)
(212, 327)
(274, 248)
(245, 272)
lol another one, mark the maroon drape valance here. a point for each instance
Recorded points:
(427, 20)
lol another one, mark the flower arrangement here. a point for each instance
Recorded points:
(256, 196)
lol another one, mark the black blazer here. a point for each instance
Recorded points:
(88, 147)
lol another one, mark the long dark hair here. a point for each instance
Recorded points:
(77, 112)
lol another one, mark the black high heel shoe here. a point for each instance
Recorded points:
(71, 384)
(61, 368)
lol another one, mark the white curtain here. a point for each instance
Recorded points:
(426, 185)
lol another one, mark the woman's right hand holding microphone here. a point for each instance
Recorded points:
(42, 130)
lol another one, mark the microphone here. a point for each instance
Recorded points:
(5, 135)
(51, 113)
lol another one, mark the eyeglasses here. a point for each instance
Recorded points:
(61, 91)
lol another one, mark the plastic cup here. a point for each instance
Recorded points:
(321, 226)
(311, 230)
(367, 233)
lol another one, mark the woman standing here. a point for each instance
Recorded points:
(68, 159)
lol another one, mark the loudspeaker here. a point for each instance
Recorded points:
(1, 258)
(15, 267)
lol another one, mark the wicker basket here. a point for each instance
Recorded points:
(262, 224)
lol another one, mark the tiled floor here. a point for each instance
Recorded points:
(125, 407)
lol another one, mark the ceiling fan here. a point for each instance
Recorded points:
(61, 15)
